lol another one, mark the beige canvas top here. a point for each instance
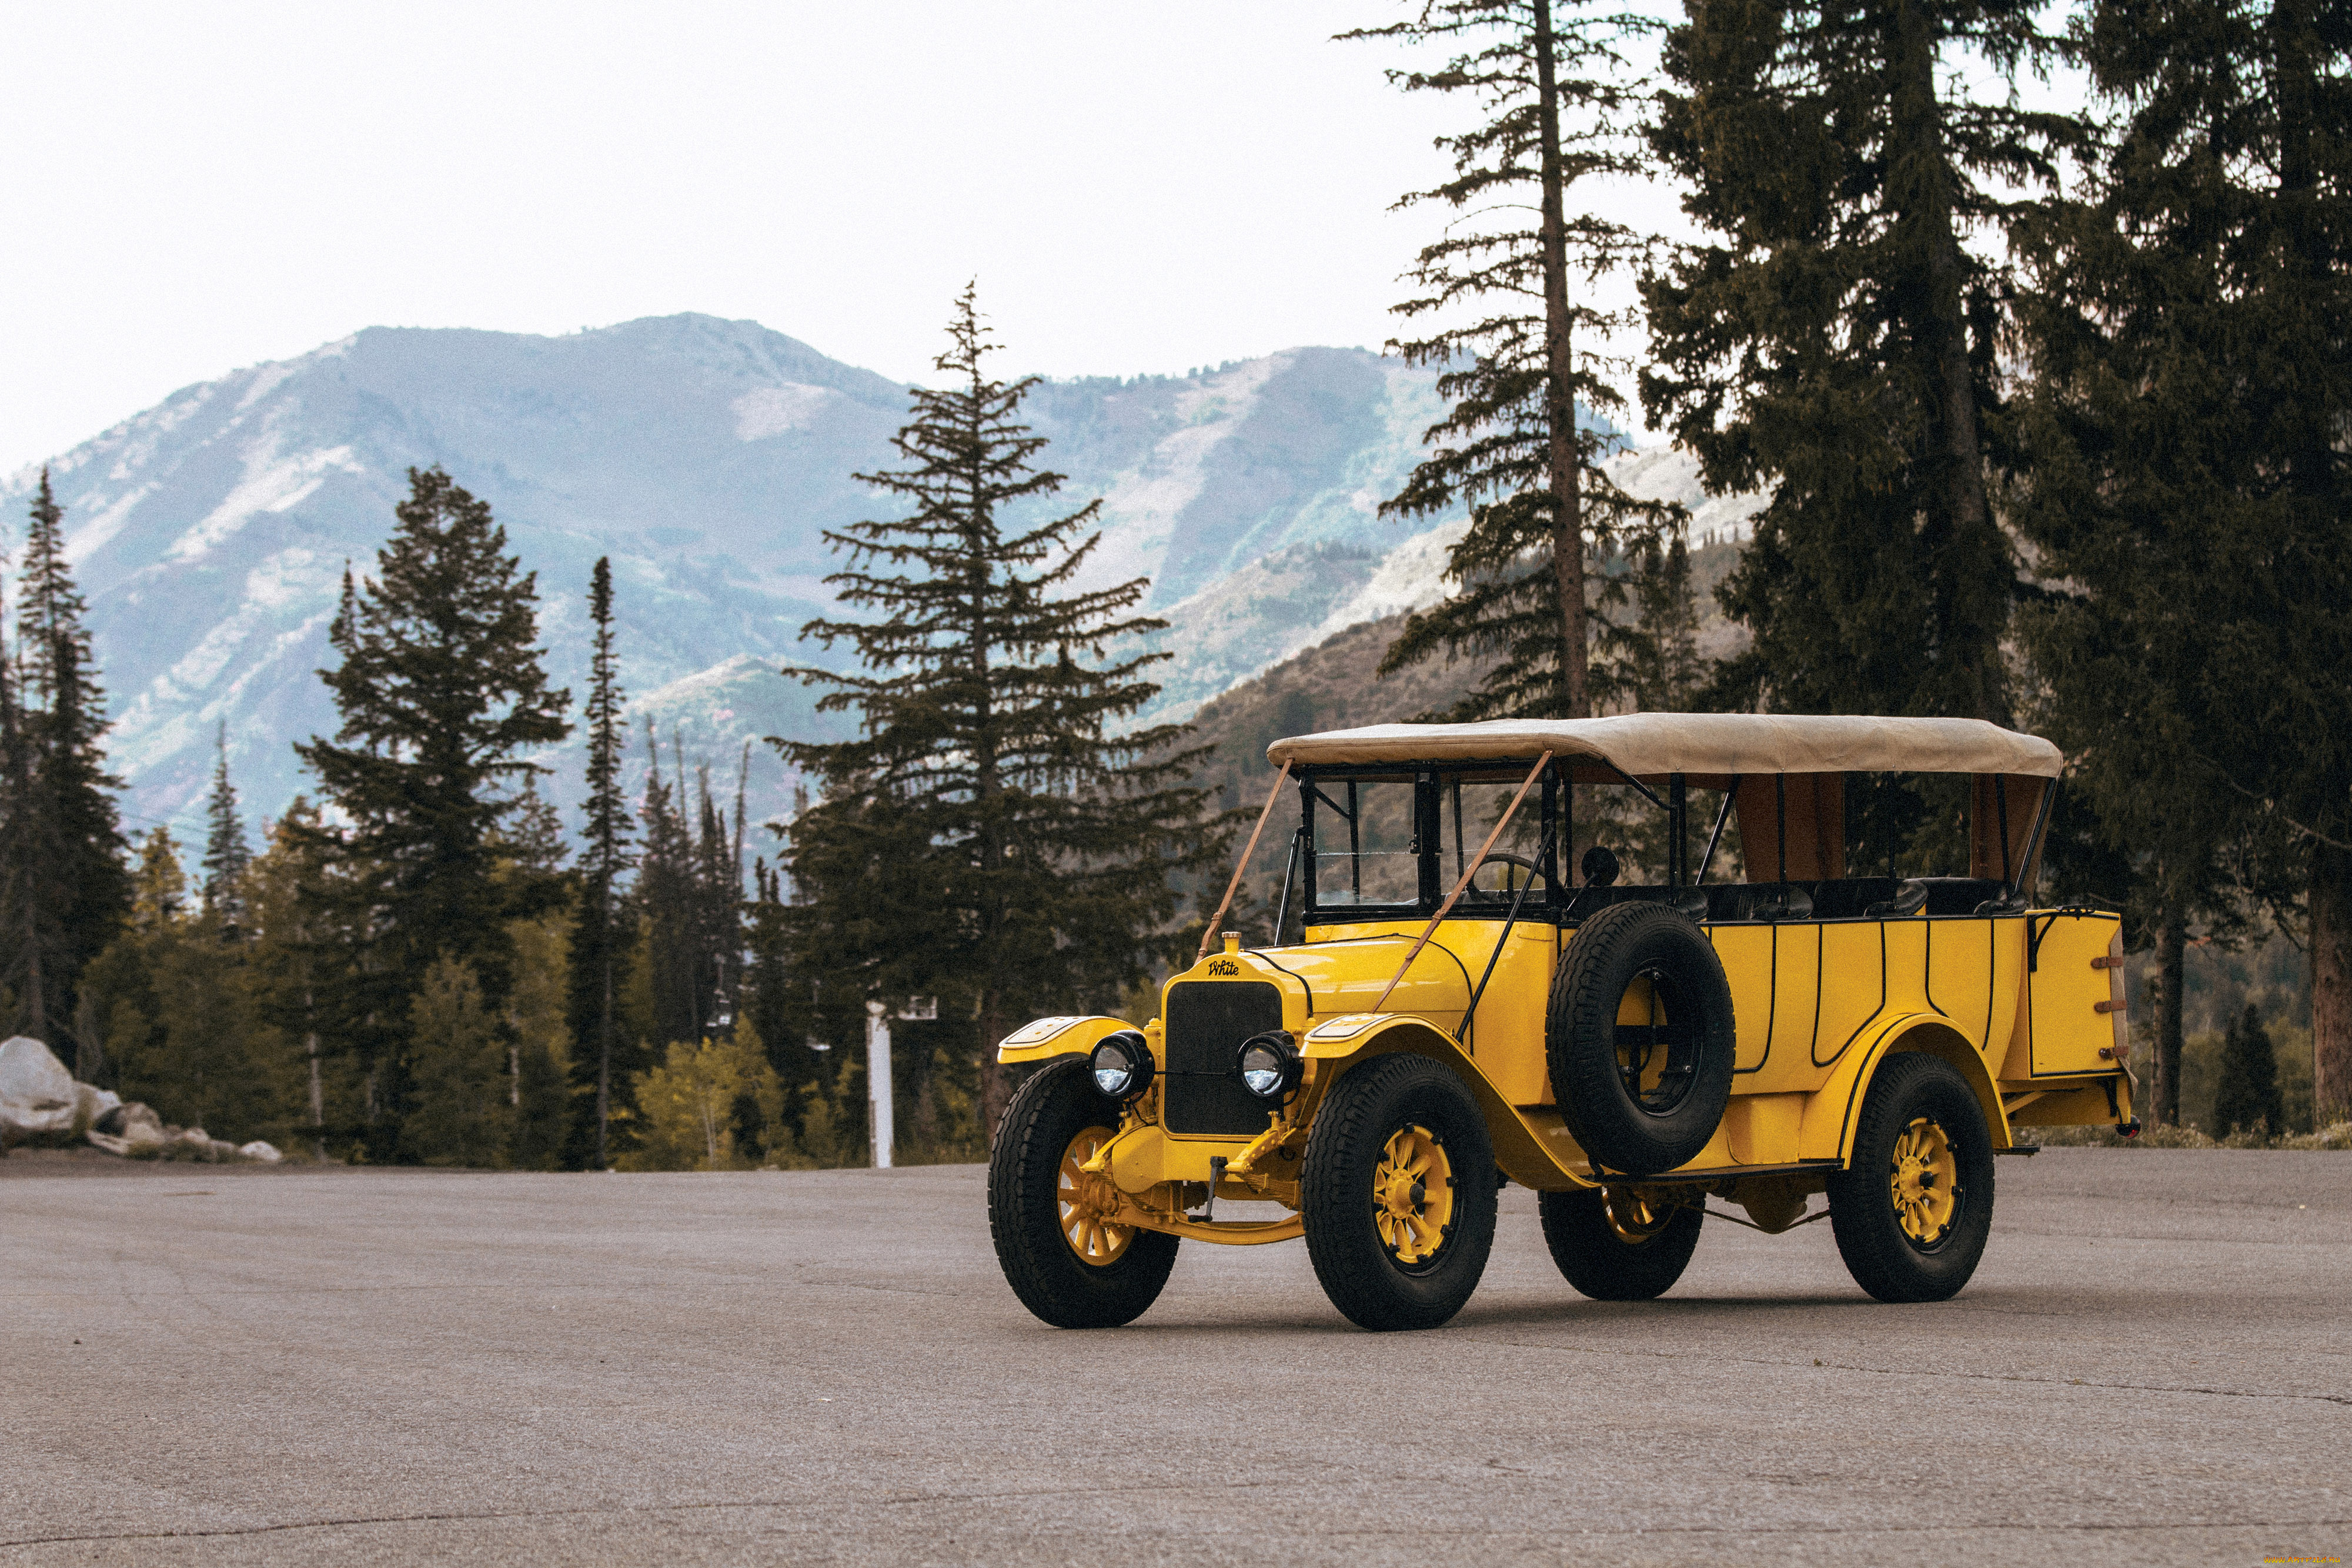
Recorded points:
(1651, 745)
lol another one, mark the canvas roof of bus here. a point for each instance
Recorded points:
(1707, 748)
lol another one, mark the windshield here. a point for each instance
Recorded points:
(1364, 849)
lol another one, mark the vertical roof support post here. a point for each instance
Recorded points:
(1428, 839)
(1548, 857)
(1677, 829)
(1722, 815)
(1781, 821)
(2023, 886)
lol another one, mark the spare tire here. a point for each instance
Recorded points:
(1640, 1097)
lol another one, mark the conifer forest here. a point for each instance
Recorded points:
(2052, 410)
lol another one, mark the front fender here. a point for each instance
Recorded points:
(1048, 1038)
(1534, 1151)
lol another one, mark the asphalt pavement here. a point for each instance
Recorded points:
(226, 1366)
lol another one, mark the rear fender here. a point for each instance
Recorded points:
(1532, 1153)
(1835, 1109)
(1048, 1038)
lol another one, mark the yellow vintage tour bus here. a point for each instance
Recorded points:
(1462, 1007)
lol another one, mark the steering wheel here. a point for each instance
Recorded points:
(1506, 858)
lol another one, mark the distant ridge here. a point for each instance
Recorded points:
(706, 457)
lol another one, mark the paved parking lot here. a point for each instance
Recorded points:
(223, 1365)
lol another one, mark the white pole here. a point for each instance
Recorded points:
(877, 1083)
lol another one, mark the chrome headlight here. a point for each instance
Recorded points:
(1269, 1064)
(1122, 1064)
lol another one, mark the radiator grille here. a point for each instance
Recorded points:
(1207, 1022)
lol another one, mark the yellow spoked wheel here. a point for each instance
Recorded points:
(1413, 1197)
(1926, 1182)
(1631, 1215)
(1087, 1202)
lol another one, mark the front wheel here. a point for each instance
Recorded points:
(1613, 1245)
(1912, 1212)
(1398, 1194)
(1063, 1251)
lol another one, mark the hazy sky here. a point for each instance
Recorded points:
(194, 188)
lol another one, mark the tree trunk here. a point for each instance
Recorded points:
(2331, 984)
(1559, 395)
(318, 1081)
(2171, 948)
(604, 1049)
(1972, 602)
(996, 1082)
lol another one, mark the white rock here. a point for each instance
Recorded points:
(265, 1152)
(37, 1095)
(92, 1104)
(139, 1134)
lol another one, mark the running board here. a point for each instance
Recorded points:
(1720, 1172)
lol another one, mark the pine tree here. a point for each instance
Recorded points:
(29, 921)
(1561, 103)
(72, 887)
(2184, 485)
(1655, 663)
(690, 895)
(441, 692)
(175, 1007)
(1835, 345)
(531, 839)
(2247, 1099)
(770, 1005)
(602, 1060)
(668, 901)
(227, 854)
(986, 839)
(463, 1113)
(304, 967)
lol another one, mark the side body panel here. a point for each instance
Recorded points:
(1745, 953)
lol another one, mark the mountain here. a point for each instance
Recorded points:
(706, 457)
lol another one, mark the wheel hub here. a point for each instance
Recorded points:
(1631, 1215)
(1925, 1182)
(1086, 1201)
(1412, 1196)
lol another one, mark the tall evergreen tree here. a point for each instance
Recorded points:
(1834, 345)
(775, 1012)
(68, 852)
(305, 967)
(602, 1062)
(2185, 473)
(1654, 662)
(441, 692)
(1518, 338)
(668, 905)
(226, 853)
(1021, 851)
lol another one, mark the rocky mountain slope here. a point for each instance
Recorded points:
(706, 457)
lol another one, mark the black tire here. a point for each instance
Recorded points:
(1893, 1262)
(1381, 1286)
(1667, 1118)
(1024, 1217)
(1632, 1257)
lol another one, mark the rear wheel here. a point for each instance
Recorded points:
(1913, 1212)
(1613, 1245)
(1398, 1194)
(1063, 1251)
